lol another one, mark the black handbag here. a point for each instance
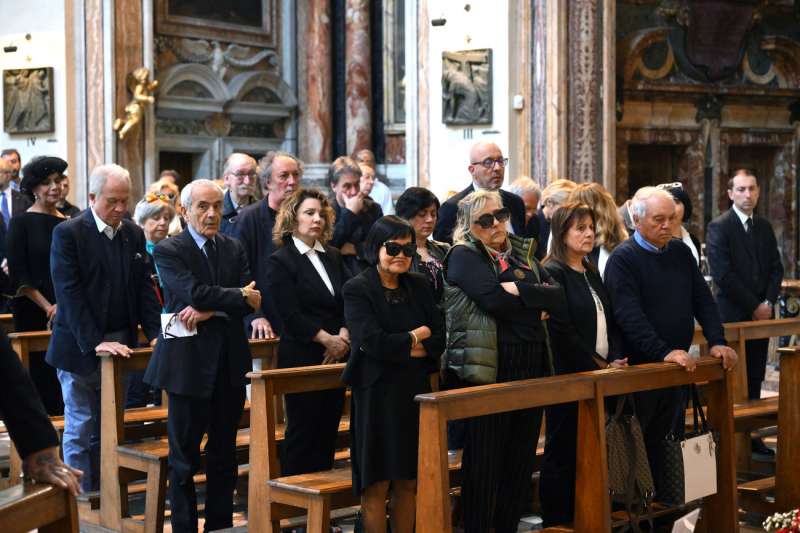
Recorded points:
(680, 482)
(630, 480)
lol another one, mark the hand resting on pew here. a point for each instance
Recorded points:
(726, 353)
(682, 358)
(114, 348)
(45, 466)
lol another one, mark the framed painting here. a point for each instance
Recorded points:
(251, 22)
(467, 87)
(28, 100)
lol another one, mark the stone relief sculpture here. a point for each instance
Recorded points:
(142, 96)
(467, 87)
(211, 53)
(28, 100)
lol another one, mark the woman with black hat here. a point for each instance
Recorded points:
(29, 237)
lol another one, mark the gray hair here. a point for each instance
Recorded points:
(639, 201)
(100, 175)
(265, 164)
(524, 184)
(229, 161)
(146, 210)
(186, 193)
(469, 205)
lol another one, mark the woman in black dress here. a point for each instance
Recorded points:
(29, 237)
(397, 335)
(306, 277)
(584, 338)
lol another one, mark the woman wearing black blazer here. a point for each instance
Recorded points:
(306, 278)
(584, 337)
(397, 334)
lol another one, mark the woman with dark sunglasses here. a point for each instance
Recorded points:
(396, 335)
(496, 299)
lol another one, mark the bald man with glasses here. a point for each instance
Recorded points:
(487, 167)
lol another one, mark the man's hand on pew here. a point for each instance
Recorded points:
(683, 358)
(114, 348)
(262, 329)
(45, 466)
(726, 353)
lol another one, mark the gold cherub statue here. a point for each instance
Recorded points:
(142, 95)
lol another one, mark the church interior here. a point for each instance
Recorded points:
(627, 94)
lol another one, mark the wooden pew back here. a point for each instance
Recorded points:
(29, 506)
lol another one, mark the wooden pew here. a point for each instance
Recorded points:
(37, 506)
(125, 457)
(7, 321)
(590, 390)
(785, 484)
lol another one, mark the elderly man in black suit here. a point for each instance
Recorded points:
(280, 174)
(488, 168)
(240, 178)
(746, 267)
(209, 290)
(102, 279)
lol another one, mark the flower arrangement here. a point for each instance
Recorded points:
(784, 522)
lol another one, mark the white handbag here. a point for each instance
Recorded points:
(699, 467)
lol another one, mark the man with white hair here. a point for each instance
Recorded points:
(203, 366)
(240, 175)
(657, 291)
(101, 276)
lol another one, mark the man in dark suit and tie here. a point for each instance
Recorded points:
(239, 175)
(12, 202)
(102, 280)
(209, 290)
(747, 270)
(280, 174)
(488, 168)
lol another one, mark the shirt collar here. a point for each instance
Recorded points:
(303, 248)
(742, 216)
(101, 226)
(647, 245)
(199, 239)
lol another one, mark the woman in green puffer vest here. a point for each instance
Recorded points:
(496, 301)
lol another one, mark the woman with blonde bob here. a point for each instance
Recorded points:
(496, 299)
(306, 279)
(609, 229)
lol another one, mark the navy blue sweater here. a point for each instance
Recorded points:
(656, 297)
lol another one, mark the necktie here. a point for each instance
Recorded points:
(749, 225)
(6, 214)
(210, 249)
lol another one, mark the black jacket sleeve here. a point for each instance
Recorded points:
(149, 308)
(283, 281)
(705, 308)
(718, 250)
(775, 265)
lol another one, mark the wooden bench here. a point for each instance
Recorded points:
(590, 390)
(125, 457)
(7, 321)
(30, 506)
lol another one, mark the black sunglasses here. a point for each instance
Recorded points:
(393, 249)
(486, 220)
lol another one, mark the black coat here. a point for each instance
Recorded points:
(745, 272)
(19, 204)
(305, 303)
(574, 333)
(448, 212)
(81, 280)
(189, 365)
(377, 348)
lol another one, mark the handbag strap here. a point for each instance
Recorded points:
(697, 410)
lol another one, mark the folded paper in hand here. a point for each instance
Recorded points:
(173, 327)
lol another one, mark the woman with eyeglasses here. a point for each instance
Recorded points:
(28, 248)
(583, 338)
(166, 187)
(683, 213)
(305, 284)
(496, 300)
(397, 335)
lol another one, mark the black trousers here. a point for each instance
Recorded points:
(500, 451)
(658, 413)
(189, 419)
(557, 475)
(312, 426)
(756, 366)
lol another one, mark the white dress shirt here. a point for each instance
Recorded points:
(742, 216)
(104, 228)
(382, 196)
(313, 256)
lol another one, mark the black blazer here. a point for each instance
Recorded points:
(19, 204)
(574, 332)
(80, 271)
(446, 222)
(189, 365)
(745, 274)
(305, 303)
(378, 346)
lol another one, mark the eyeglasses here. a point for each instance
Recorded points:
(486, 220)
(241, 175)
(151, 197)
(489, 163)
(670, 186)
(393, 248)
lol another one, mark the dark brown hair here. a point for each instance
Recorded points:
(741, 172)
(567, 215)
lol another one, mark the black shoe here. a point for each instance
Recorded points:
(762, 449)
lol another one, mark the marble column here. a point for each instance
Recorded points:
(357, 76)
(318, 116)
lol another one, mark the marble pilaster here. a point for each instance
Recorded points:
(318, 117)
(357, 76)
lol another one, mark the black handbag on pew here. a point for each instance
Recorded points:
(690, 462)
(630, 480)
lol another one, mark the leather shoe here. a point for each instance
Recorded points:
(762, 449)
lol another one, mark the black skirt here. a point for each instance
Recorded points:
(384, 429)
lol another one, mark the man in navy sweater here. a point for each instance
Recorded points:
(657, 291)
